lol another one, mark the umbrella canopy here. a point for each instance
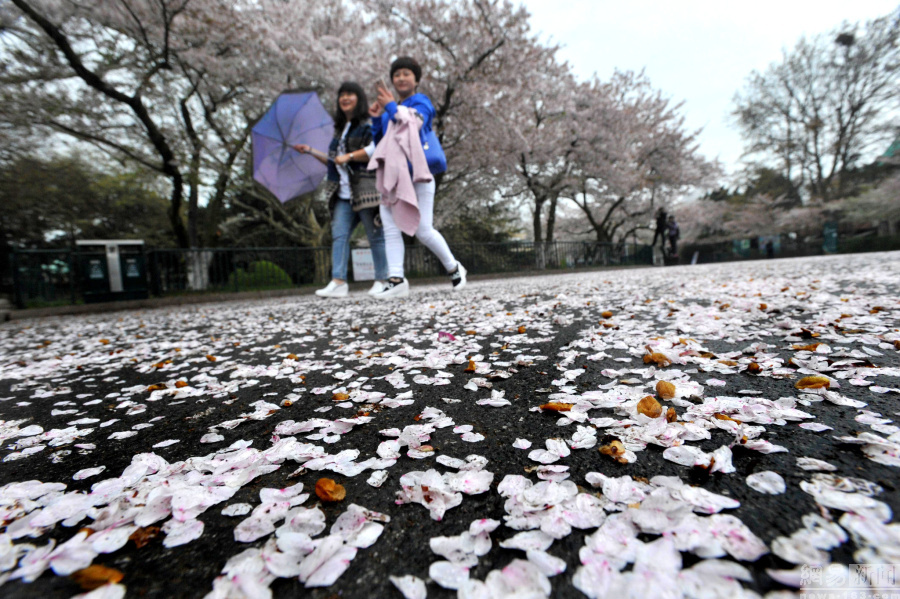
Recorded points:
(294, 118)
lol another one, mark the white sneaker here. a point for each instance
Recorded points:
(394, 290)
(377, 287)
(334, 290)
(458, 277)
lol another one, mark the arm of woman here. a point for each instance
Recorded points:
(423, 106)
(305, 149)
(364, 154)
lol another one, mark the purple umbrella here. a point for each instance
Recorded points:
(294, 118)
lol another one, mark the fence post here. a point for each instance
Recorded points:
(234, 266)
(18, 298)
(155, 283)
(72, 297)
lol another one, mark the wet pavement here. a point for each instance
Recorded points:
(193, 410)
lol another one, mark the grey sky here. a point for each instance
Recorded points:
(698, 51)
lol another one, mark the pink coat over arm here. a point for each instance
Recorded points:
(398, 149)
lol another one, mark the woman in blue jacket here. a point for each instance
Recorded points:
(351, 191)
(405, 76)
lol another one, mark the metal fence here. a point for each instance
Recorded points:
(726, 251)
(58, 277)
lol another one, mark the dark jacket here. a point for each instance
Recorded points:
(662, 221)
(674, 232)
(363, 193)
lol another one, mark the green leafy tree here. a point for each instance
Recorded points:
(60, 200)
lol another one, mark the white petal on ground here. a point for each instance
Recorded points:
(88, 472)
(106, 591)
(237, 509)
(549, 565)
(73, 555)
(111, 539)
(179, 533)
(166, 443)
(687, 455)
(331, 570)
(815, 426)
(410, 586)
(527, 540)
(767, 482)
(814, 464)
(377, 478)
(447, 574)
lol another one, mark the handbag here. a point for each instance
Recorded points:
(434, 153)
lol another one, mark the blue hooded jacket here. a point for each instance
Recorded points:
(437, 161)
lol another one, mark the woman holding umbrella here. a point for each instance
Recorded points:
(352, 195)
(405, 76)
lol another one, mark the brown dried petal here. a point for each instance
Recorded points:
(720, 416)
(143, 536)
(665, 390)
(657, 358)
(810, 347)
(557, 406)
(96, 576)
(649, 407)
(615, 450)
(813, 382)
(328, 490)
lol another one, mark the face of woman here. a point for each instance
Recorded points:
(347, 101)
(404, 82)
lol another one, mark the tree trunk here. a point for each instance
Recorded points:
(193, 209)
(538, 234)
(175, 201)
(536, 220)
(551, 218)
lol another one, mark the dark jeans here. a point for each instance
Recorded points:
(661, 234)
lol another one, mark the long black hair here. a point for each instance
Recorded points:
(360, 113)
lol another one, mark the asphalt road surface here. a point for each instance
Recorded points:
(180, 448)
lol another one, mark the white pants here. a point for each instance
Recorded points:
(426, 233)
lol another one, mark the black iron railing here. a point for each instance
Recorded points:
(58, 277)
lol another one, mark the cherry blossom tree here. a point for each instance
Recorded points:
(635, 155)
(480, 62)
(542, 143)
(171, 85)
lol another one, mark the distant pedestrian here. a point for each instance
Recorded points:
(770, 249)
(661, 228)
(351, 191)
(673, 233)
(409, 207)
